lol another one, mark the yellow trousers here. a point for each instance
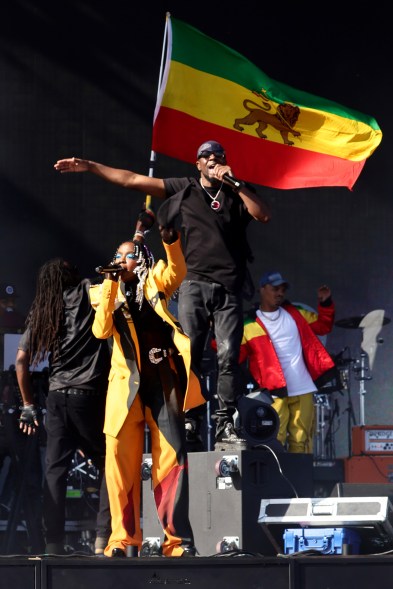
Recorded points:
(169, 476)
(297, 422)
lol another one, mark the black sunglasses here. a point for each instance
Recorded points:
(206, 154)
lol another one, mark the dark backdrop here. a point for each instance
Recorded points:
(80, 78)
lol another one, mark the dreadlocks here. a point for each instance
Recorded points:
(46, 313)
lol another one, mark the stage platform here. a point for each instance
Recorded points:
(226, 493)
(219, 572)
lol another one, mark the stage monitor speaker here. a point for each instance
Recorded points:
(225, 494)
(340, 572)
(145, 573)
(20, 573)
(327, 474)
(372, 517)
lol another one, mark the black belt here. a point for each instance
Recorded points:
(156, 355)
(72, 391)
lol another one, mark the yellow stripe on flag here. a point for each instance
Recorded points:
(220, 102)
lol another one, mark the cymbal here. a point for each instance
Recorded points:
(354, 322)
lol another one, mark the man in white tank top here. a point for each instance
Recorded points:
(286, 357)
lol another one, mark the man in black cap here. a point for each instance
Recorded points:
(286, 357)
(215, 211)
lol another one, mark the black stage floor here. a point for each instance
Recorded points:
(223, 572)
(224, 511)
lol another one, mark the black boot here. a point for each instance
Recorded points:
(227, 436)
(118, 553)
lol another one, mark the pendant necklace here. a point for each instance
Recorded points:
(215, 205)
(271, 313)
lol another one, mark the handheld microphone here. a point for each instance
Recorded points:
(233, 181)
(109, 269)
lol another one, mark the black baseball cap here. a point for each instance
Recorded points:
(210, 147)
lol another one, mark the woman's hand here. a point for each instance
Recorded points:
(168, 234)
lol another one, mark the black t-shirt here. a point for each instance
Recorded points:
(215, 241)
(84, 360)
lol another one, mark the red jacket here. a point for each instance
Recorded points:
(263, 362)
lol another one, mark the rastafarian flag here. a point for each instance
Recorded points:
(274, 135)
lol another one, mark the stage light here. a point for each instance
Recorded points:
(146, 469)
(259, 420)
(228, 544)
(227, 466)
(151, 547)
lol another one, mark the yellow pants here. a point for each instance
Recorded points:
(169, 475)
(297, 419)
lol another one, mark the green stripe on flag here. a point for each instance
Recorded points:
(195, 49)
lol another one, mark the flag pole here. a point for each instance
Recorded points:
(160, 78)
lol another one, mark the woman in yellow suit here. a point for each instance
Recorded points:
(151, 381)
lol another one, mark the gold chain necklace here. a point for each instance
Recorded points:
(215, 205)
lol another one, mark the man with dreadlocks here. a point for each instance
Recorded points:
(59, 326)
(151, 382)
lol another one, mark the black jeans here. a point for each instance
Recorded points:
(208, 306)
(74, 421)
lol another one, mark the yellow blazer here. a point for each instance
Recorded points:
(124, 378)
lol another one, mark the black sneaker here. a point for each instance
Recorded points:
(229, 437)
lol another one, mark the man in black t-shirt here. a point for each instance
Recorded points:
(215, 211)
(59, 326)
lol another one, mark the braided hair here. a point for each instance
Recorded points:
(145, 260)
(45, 317)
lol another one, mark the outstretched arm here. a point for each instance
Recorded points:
(125, 178)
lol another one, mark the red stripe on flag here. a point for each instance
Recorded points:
(260, 161)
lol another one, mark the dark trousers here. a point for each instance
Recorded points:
(205, 307)
(73, 422)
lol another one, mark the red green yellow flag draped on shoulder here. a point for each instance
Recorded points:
(274, 135)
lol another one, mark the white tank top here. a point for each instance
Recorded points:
(284, 335)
